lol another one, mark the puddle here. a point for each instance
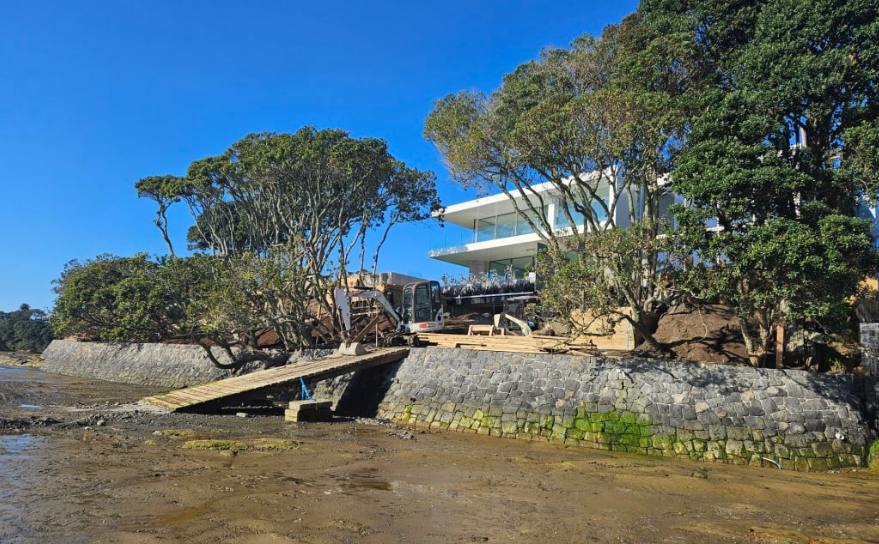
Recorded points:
(17, 482)
(32, 406)
(21, 374)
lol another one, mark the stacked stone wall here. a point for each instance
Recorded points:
(707, 412)
(163, 365)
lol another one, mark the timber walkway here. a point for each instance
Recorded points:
(210, 396)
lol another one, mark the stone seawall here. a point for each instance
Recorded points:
(163, 365)
(707, 412)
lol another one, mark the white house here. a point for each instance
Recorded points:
(501, 239)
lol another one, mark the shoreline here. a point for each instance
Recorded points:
(105, 469)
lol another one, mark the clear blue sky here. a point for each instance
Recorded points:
(95, 95)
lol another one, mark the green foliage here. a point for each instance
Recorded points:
(25, 329)
(115, 299)
(316, 192)
(598, 123)
(604, 282)
(138, 299)
(780, 150)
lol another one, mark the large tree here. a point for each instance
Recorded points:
(780, 151)
(278, 219)
(303, 205)
(599, 124)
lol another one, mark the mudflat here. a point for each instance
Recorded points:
(80, 461)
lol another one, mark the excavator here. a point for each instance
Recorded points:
(421, 311)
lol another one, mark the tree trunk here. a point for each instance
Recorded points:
(243, 357)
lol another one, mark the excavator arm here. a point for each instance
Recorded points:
(342, 303)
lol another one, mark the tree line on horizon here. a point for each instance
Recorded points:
(25, 329)
(762, 115)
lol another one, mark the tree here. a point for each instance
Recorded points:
(278, 218)
(606, 283)
(583, 120)
(114, 299)
(779, 152)
(302, 204)
(164, 191)
(26, 329)
(202, 299)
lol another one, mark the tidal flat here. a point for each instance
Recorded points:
(82, 462)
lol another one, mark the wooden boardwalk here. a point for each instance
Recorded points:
(211, 395)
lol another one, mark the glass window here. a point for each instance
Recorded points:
(506, 225)
(561, 220)
(522, 227)
(485, 229)
(422, 304)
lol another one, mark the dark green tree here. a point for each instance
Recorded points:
(780, 151)
(26, 329)
(302, 204)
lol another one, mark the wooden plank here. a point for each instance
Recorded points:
(259, 381)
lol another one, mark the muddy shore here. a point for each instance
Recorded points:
(80, 461)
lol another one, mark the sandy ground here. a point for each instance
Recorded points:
(75, 466)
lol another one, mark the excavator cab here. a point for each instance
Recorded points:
(423, 306)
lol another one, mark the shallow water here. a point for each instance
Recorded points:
(21, 374)
(19, 476)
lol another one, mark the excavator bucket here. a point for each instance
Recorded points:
(355, 348)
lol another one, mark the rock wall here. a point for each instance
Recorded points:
(707, 412)
(162, 365)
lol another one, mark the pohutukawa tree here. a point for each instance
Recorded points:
(780, 153)
(278, 218)
(597, 125)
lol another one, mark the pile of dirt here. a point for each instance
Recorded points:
(708, 334)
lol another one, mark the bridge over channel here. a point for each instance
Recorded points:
(210, 396)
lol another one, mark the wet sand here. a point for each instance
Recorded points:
(76, 466)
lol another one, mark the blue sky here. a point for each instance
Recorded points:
(95, 95)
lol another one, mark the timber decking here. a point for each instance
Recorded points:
(509, 343)
(191, 398)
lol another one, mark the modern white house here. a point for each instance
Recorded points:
(501, 239)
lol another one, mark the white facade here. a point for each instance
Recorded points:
(500, 238)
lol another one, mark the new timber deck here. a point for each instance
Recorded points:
(209, 395)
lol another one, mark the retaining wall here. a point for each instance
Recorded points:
(706, 412)
(163, 365)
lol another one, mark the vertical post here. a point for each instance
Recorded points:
(779, 344)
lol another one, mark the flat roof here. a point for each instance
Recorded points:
(466, 213)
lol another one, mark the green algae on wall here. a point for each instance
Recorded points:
(736, 415)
